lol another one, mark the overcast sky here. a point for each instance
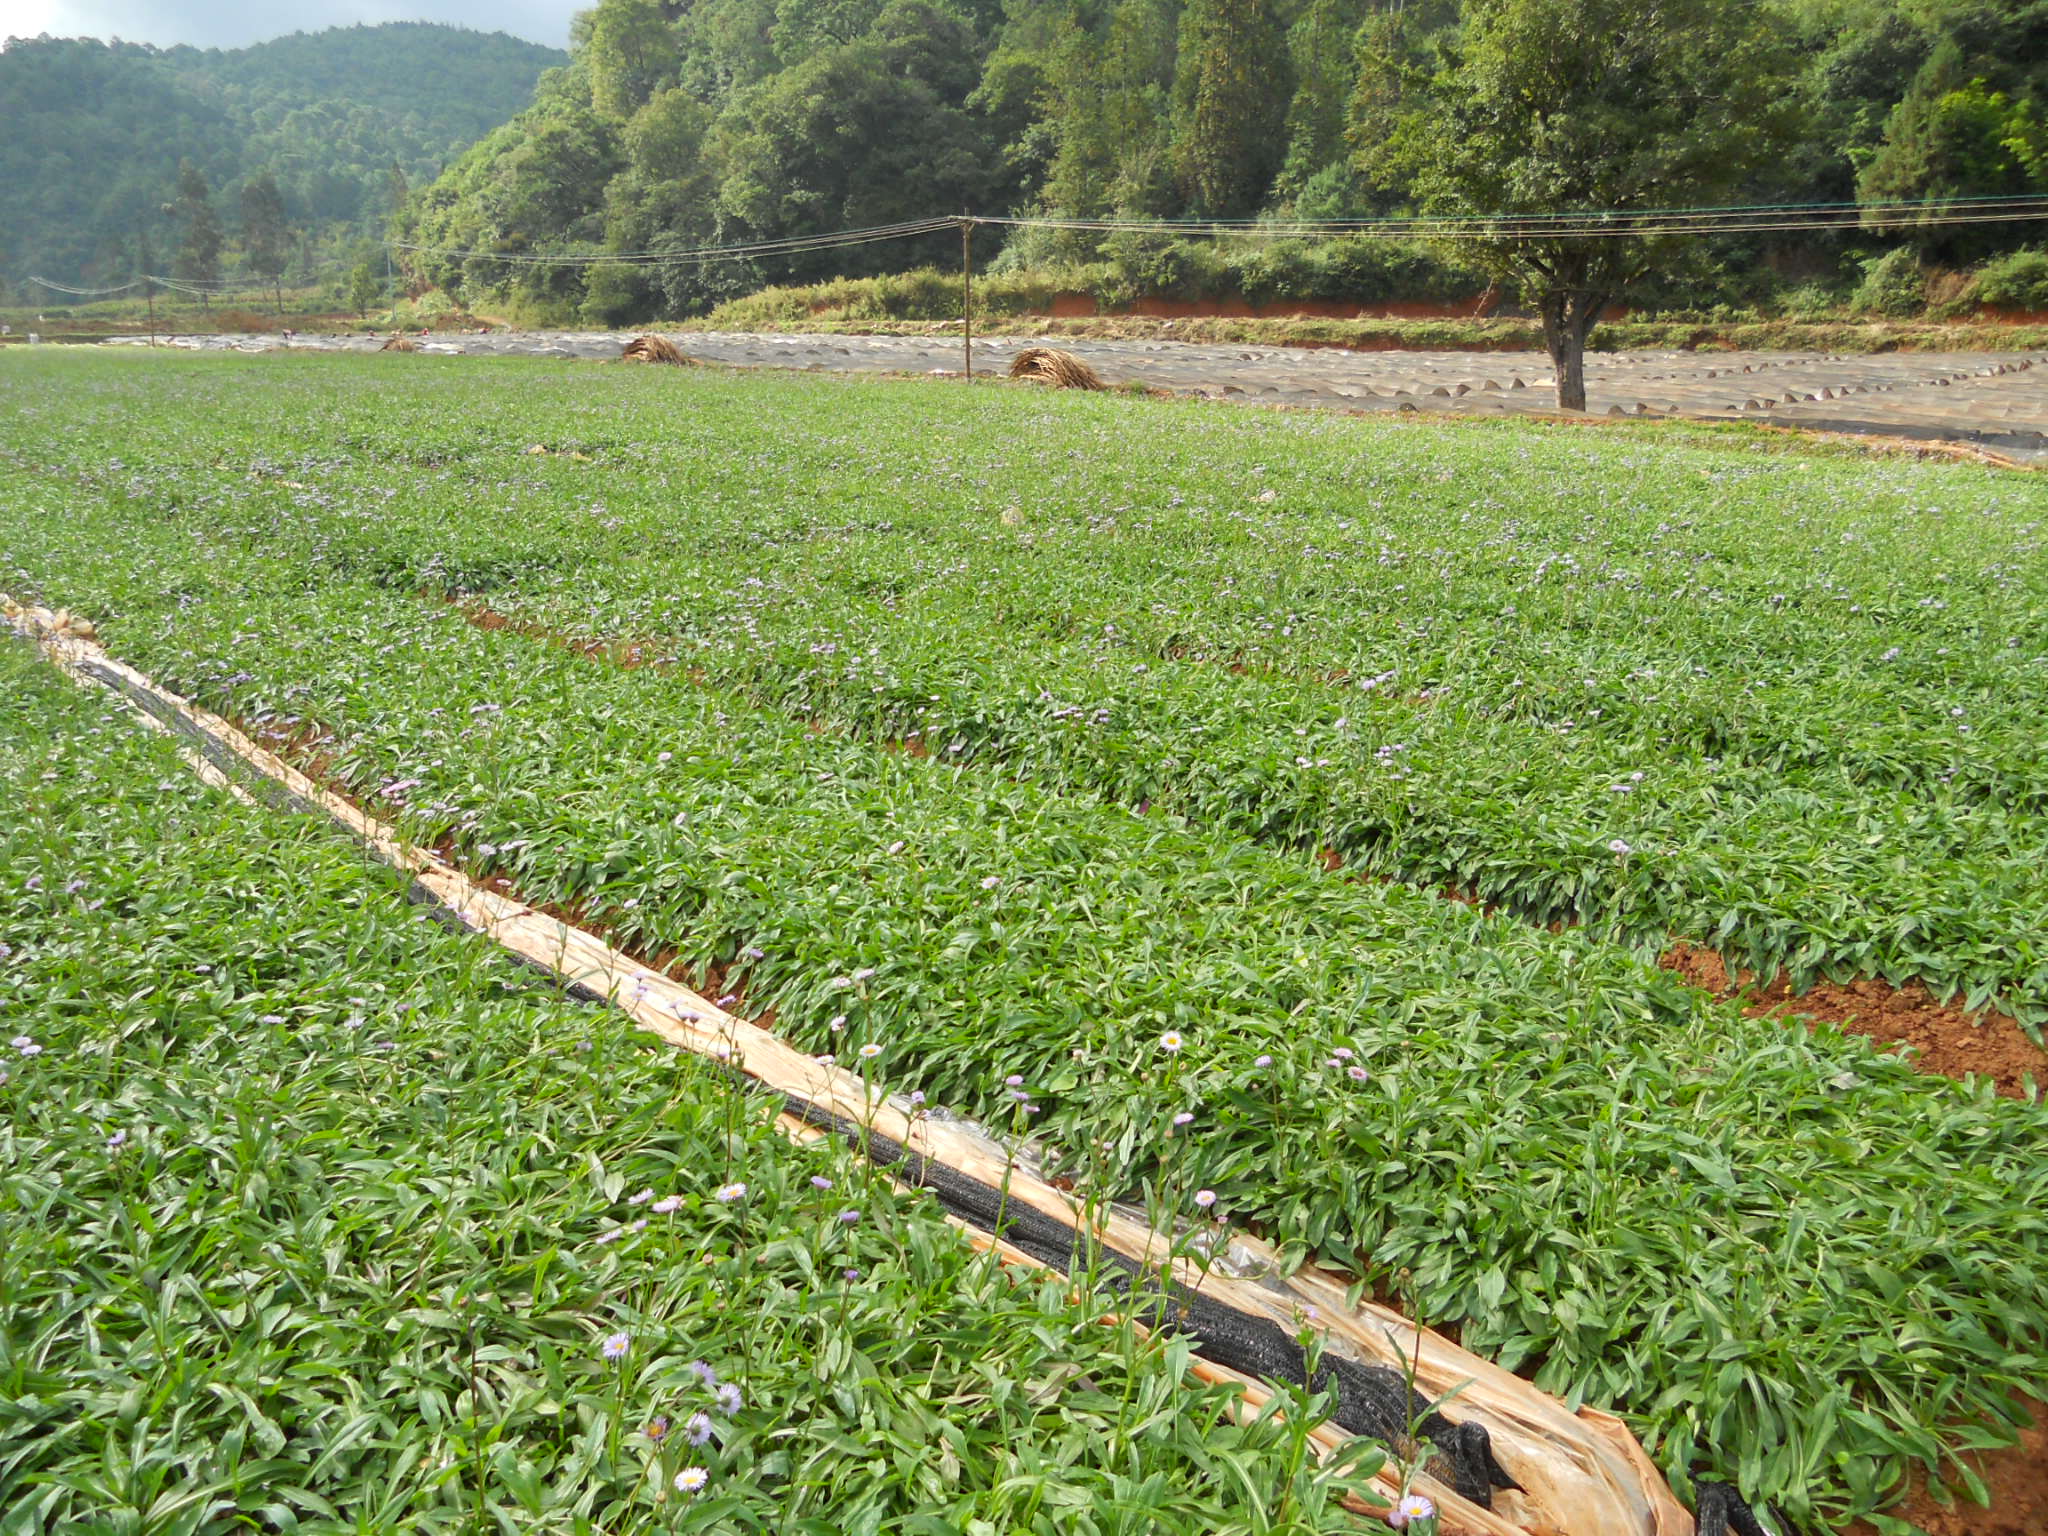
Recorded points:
(232, 23)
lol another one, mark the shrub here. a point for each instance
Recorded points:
(2016, 280)
(1892, 285)
(616, 295)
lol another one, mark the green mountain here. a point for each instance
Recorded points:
(97, 132)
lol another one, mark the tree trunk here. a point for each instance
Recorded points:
(1569, 315)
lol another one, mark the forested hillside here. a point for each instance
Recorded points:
(686, 123)
(341, 120)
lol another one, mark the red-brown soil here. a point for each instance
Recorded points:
(2016, 1479)
(1944, 1038)
(1082, 306)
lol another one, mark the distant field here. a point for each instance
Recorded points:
(1066, 722)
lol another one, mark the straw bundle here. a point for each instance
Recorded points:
(400, 344)
(1051, 366)
(655, 349)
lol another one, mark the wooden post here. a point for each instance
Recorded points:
(967, 297)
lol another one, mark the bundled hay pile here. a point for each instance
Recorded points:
(400, 344)
(655, 349)
(1051, 366)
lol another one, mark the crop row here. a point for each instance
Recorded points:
(1752, 1239)
(316, 1217)
(1781, 704)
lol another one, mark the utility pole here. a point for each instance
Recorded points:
(967, 296)
(148, 285)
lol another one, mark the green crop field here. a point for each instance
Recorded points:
(316, 1218)
(1009, 733)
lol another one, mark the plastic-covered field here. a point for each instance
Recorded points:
(1002, 734)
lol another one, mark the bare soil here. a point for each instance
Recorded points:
(1941, 1038)
(2016, 1479)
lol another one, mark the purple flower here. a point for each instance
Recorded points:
(1342, 1053)
(727, 1193)
(1262, 1061)
(657, 1428)
(667, 1205)
(642, 1198)
(704, 1373)
(1014, 1080)
(849, 1216)
(697, 1429)
(864, 973)
(729, 1399)
(754, 953)
(1185, 1117)
(819, 1181)
(728, 1000)
(26, 1046)
(917, 1098)
(1413, 1506)
(1358, 1074)
(1205, 1198)
(991, 882)
(616, 1345)
(116, 1141)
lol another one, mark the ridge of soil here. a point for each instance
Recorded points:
(1942, 1038)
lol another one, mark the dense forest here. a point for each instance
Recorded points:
(102, 136)
(681, 124)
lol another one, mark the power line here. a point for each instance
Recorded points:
(1610, 224)
(1590, 215)
(85, 293)
(789, 245)
(1893, 217)
(1763, 218)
